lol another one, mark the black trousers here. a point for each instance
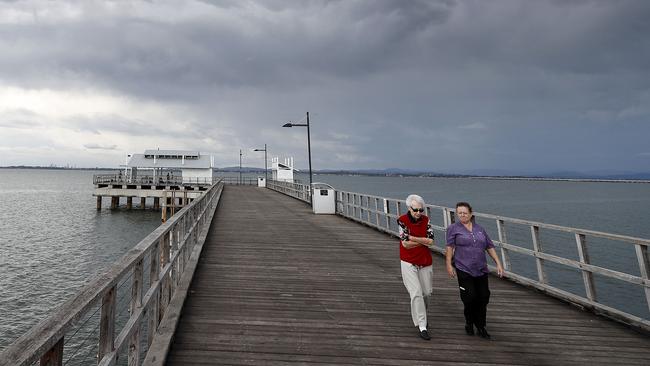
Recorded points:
(475, 294)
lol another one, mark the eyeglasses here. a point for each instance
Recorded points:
(417, 209)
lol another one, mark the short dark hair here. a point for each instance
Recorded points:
(464, 204)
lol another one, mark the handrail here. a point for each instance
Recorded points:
(166, 251)
(246, 181)
(295, 190)
(381, 213)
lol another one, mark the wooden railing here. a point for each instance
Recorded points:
(295, 190)
(117, 317)
(381, 213)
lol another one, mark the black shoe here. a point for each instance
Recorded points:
(425, 335)
(469, 329)
(483, 333)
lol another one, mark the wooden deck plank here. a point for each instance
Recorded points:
(279, 285)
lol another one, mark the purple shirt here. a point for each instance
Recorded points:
(469, 248)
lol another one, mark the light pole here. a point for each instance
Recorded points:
(239, 166)
(311, 198)
(265, 169)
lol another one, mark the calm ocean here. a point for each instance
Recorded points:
(53, 240)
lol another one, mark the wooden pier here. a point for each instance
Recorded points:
(279, 285)
(245, 275)
(168, 194)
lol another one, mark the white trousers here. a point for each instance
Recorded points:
(419, 283)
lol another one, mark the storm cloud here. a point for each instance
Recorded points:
(436, 85)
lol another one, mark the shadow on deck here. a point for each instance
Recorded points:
(277, 284)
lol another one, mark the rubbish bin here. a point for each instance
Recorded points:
(261, 182)
(324, 199)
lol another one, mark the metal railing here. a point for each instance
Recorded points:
(146, 279)
(151, 180)
(295, 190)
(382, 213)
(246, 181)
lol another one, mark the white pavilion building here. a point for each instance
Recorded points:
(192, 166)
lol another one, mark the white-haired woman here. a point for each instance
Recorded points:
(416, 238)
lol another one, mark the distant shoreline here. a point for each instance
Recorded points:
(455, 176)
(249, 170)
(27, 167)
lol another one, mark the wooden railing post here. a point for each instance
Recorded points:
(345, 197)
(136, 304)
(446, 218)
(386, 212)
(107, 324)
(176, 270)
(164, 285)
(53, 357)
(537, 246)
(644, 267)
(154, 271)
(503, 238)
(377, 211)
(587, 276)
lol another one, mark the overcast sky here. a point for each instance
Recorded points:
(435, 85)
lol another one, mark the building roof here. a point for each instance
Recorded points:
(286, 167)
(169, 160)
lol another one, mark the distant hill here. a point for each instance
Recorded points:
(496, 173)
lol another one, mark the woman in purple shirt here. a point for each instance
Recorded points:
(467, 243)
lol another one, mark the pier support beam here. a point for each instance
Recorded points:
(129, 203)
(143, 202)
(99, 202)
(115, 201)
(156, 203)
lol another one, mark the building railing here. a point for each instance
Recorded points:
(527, 259)
(165, 180)
(295, 190)
(117, 316)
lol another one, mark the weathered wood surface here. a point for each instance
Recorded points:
(277, 285)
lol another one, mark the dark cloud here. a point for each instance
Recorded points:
(419, 84)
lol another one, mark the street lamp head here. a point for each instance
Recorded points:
(287, 125)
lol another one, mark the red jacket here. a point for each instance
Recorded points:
(419, 255)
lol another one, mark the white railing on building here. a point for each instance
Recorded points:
(147, 280)
(162, 180)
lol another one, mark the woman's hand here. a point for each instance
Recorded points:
(451, 271)
(500, 270)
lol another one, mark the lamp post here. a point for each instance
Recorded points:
(311, 198)
(239, 166)
(265, 169)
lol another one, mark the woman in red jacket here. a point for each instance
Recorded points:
(416, 238)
